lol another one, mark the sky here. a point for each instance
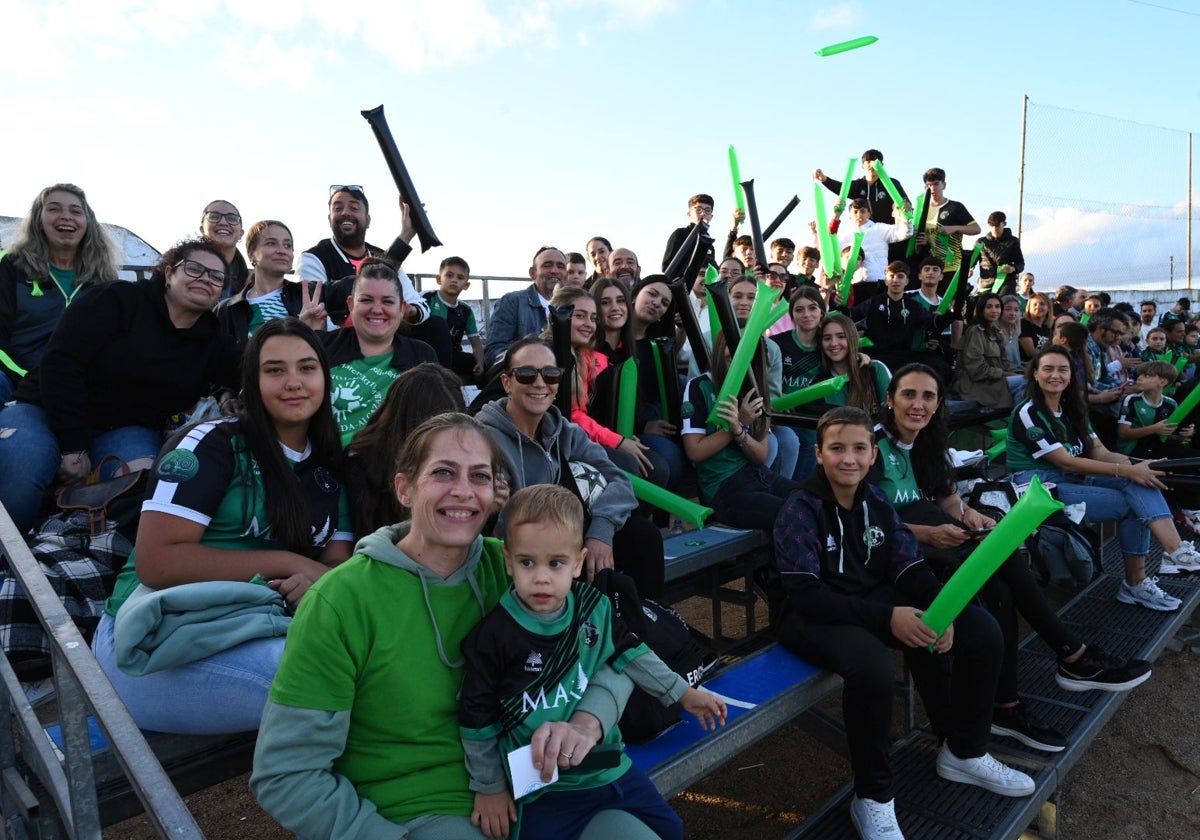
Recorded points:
(530, 123)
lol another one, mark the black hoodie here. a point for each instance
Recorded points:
(833, 559)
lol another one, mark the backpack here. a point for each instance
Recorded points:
(1063, 552)
(666, 633)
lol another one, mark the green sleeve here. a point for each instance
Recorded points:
(294, 781)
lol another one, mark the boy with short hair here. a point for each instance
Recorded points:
(807, 263)
(528, 662)
(743, 249)
(946, 223)
(452, 280)
(929, 274)
(896, 323)
(700, 209)
(781, 251)
(856, 585)
(576, 270)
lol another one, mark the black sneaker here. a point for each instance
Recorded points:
(1013, 722)
(1098, 670)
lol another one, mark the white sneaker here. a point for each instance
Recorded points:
(1166, 567)
(1147, 594)
(875, 820)
(1192, 517)
(985, 772)
(1185, 558)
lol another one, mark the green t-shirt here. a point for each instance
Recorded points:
(365, 640)
(894, 473)
(1137, 413)
(266, 308)
(65, 278)
(711, 472)
(358, 389)
(881, 377)
(210, 478)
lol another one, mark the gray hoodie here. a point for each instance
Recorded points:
(537, 462)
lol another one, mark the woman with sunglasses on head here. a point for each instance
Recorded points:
(255, 498)
(124, 358)
(368, 356)
(541, 447)
(221, 224)
(267, 293)
(914, 471)
(60, 249)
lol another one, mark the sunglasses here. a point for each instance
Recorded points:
(527, 374)
(215, 217)
(337, 188)
(196, 270)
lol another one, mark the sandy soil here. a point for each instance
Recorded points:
(1140, 779)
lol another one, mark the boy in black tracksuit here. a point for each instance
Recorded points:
(856, 584)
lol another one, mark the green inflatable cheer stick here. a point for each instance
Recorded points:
(685, 509)
(1184, 408)
(1084, 318)
(918, 214)
(627, 397)
(711, 276)
(886, 180)
(998, 434)
(951, 291)
(846, 46)
(760, 318)
(738, 195)
(851, 262)
(865, 342)
(812, 393)
(1026, 515)
(845, 192)
(824, 240)
(996, 450)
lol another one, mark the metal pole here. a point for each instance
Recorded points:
(1021, 177)
(1189, 218)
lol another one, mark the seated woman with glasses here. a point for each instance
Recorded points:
(540, 446)
(368, 356)
(267, 294)
(124, 358)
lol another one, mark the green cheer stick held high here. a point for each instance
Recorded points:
(846, 46)
(918, 214)
(627, 397)
(685, 509)
(845, 191)
(763, 314)
(814, 392)
(964, 267)
(886, 180)
(851, 263)
(739, 195)
(1026, 515)
(825, 240)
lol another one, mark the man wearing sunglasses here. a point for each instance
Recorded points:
(336, 260)
(527, 311)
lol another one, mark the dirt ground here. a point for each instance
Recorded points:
(1140, 779)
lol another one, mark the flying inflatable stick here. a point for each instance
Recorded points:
(783, 214)
(1028, 513)
(812, 393)
(738, 196)
(383, 135)
(685, 509)
(846, 46)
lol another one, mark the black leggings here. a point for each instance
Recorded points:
(959, 705)
(638, 552)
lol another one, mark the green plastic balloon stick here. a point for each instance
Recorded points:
(846, 183)
(1084, 318)
(627, 397)
(996, 450)
(886, 180)
(846, 46)
(1028, 513)
(823, 236)
(812, 393)
(685, 509)
(656, 351)
(865, 341)
(739, 195)
(851, 263)
(758, 322)
(1185, 408)
(917, 213)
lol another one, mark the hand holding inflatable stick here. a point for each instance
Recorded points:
(845, 191)
(685, 509)
(408, 192)
(1026, 515)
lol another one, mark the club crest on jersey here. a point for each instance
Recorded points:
(590, 634)
(533, 662)
(873, 537)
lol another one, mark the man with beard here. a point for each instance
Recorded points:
(525, 311)
(623, 264)
(335, 261)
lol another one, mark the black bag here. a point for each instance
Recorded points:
(666, 633)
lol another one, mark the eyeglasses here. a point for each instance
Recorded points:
(337, 188)
(215, 217)
(195, 270)
(527, 375)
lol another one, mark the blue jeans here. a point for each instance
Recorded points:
(567, 813)
(668, 450)
(29, 457)
(787, 446)
(1110, 499)
(224, 693)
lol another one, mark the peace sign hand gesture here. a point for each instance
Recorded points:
(312, 310)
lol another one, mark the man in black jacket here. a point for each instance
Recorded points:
(1001, 250)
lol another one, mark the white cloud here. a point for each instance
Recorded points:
(260, 61)
(839, 16)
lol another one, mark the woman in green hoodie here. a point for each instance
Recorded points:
(360, 737)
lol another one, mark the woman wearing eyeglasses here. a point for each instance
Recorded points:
(124, 358)
(540, 447)
(268, 294)
(221, 224)
(59, 250)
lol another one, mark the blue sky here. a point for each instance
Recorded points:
(526, 123)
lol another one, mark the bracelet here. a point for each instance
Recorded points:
(1117, 470)
(746, 430)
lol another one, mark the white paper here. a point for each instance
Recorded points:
(525, 777)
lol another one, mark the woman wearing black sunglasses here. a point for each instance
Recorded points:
(124, 358)
(541, 447)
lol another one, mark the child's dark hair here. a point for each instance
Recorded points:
(808, 252)
(897, 267)
(783, 242)
(1163, 370)
(700, 198)
(931, 260)
(576, 258)
(744, 240)
(859, 204)
(934, 173)
(844, 415)
(997, 217)
(459, 262)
